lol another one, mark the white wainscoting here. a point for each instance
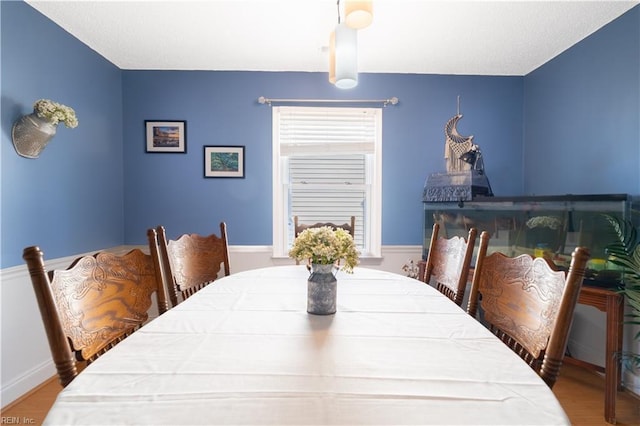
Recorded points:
(25, 357)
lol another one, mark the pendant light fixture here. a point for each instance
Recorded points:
(358, 14)
(346, 47)
(343, 55)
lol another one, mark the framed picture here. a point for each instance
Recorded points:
(224, 161)
(166, 136)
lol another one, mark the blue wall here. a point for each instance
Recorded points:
(582, 115)
(95, 187)
(221, 108)
(70, 199)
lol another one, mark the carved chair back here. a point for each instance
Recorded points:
(191, 262)
(93, 305)
(349, 227)
(448, 263)
(529, 305)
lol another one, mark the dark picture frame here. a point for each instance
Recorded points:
(168, 136)
(224, 161)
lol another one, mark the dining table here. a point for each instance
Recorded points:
(245, 351)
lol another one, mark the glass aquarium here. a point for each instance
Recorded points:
(545, 226)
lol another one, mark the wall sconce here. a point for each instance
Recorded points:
(31, 133)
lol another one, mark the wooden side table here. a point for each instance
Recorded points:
(612, 304)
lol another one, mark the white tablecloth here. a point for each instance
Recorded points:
(245, 351)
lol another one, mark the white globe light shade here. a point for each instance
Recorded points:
(358, 13)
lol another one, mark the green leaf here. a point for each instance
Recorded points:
(625, 253)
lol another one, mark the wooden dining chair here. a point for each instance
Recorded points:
(528, 304)
(93, 305)
(191, 262)
(449, 261)
(349, 227)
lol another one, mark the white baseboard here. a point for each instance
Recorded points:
(27, 381)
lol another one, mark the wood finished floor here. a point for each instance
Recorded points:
(581, 393)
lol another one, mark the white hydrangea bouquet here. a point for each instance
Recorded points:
(55, 113)
(325, 246)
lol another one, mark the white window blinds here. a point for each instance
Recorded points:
(310, 131)
(327, 162)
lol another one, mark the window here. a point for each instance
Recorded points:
(327, 168)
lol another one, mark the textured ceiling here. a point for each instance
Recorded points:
(407, 36)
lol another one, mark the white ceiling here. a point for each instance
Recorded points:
(407, 36)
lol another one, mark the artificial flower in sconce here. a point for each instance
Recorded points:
(55, 113)
(32, 132)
